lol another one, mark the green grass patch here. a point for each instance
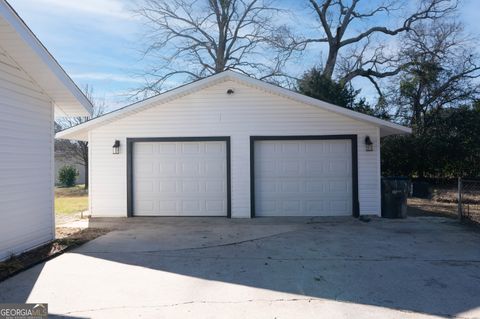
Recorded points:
(71, 200)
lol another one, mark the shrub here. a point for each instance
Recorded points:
(67, 175)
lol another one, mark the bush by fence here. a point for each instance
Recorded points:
(67, 175)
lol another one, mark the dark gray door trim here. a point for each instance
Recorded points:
(352, 138)
(130, 146)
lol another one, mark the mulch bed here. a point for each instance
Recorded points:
(67, 238)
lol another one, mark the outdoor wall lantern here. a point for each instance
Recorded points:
(230, 91)
(368, 144)
(116, 147)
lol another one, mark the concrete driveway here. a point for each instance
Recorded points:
(263, 268)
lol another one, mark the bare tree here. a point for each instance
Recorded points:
(77, 151)
(192, 39)
(441, 73)
(339, 21)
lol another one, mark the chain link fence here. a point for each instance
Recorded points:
(469, 199)
(454, 198)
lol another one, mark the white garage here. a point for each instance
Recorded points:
(232, 146)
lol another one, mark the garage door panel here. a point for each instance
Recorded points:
(214, 148)
(290, 168)
(145, 205)
(267, 167)
(167, 186)
(167, 149)
(216, 186)
(267, 186)
(338, 148)
(339, 206)
(167, 168)
(145, 186)
(179, 179)
(168, 206)
(267, 207)
(189, 168)
(191, 206)
(289, 148)
(291, 186)
(303, 178)
(315, 186)
(338, 167)
(146, 168)
(315, 150)
(190, 148)
(145, 149)
(215, 168)
(191, 186)
(293, 206)
(336, 187)
(314, 168)
(315, 206)
(215, 206)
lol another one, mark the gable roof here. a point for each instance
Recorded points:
(22, 46)
(80, 131)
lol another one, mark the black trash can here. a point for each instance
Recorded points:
(421, 189)
(394, 197)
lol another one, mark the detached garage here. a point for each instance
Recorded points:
(233, 146)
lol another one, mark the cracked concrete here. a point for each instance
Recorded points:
(267, 268)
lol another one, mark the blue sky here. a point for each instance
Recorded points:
(98, 42)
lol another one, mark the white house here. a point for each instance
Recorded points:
(233, 146)
(33, 89)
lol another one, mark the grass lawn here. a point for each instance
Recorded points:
(71, 200)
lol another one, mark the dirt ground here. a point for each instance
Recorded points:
(66, 238)
(431, 207)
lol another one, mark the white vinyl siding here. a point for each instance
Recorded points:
(26, 164)
(211, 112)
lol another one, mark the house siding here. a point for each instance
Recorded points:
(211, 112)
(26, 161)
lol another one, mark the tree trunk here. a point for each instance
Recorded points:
(222, 45)
(86, 174)
(331, 61)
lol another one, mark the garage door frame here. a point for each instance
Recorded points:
(130, 145)
(352, 138)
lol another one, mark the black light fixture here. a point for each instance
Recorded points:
(230, 91)
(116, 147)
(368, 144)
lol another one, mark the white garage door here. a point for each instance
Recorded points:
(179, 178)
(303, 178)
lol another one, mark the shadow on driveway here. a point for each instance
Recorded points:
(424, 265)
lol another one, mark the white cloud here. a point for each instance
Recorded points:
(114, 8)
(99, 76)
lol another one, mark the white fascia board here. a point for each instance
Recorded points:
(28, 37)
(80, 130)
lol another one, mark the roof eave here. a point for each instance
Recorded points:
(77, 104)
(386, 127)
